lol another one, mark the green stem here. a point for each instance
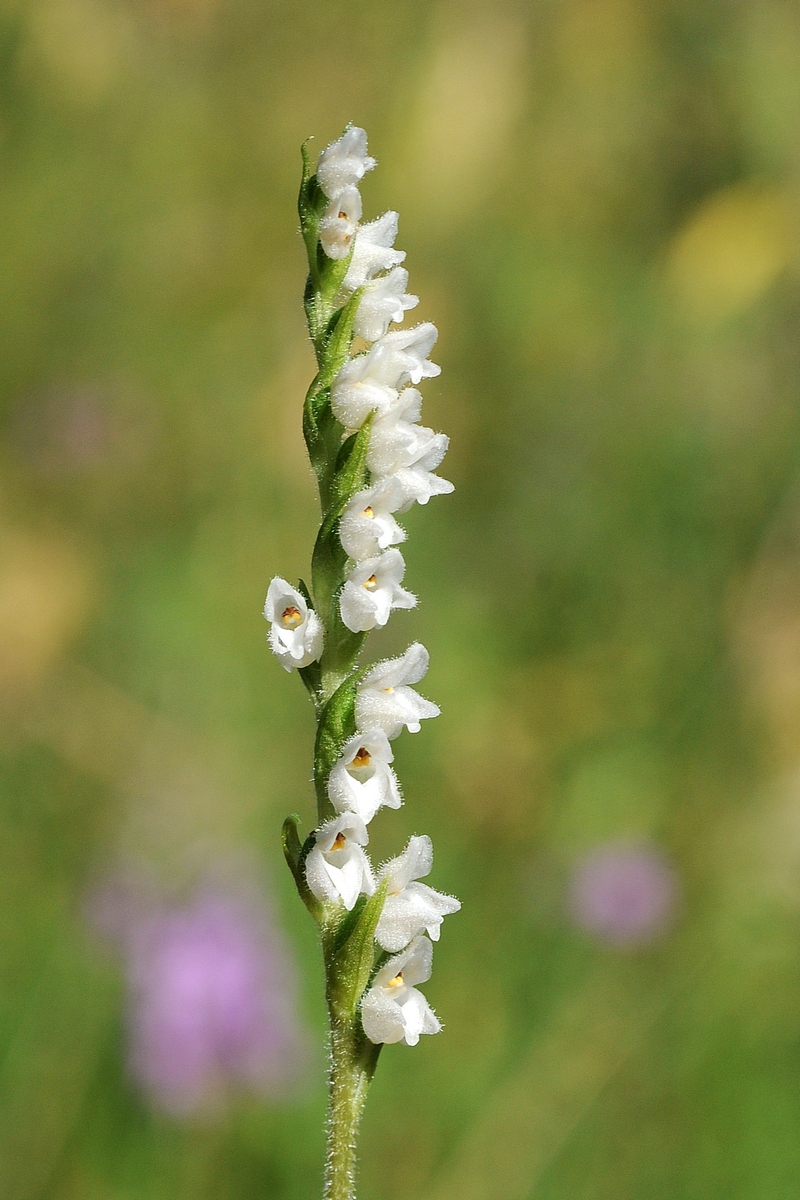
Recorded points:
(352, 1065)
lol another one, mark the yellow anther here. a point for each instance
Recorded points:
(397, 981)
(339, 842)
(371, 583)
(291, 617)
(368, 512)
(362, 759)
(389, 691)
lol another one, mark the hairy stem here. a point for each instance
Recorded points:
(352, 1065)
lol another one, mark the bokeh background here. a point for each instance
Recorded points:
(599, 203)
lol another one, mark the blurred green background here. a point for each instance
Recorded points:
(599, 203)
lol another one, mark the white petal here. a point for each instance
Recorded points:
(381, 1018)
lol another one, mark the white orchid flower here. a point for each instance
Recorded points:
(385, 699)
(393, 1010)
(384, 300)
(370, 381)
(411, 908)
(339, 223)
(296, 634)
(372, 590)
(337, 867)
(362, 780)
(344, 162)
(367, 526)
(372, 252)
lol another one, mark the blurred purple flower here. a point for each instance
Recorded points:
(212, 1003)
(623, 894)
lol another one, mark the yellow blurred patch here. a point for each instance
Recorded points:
(470, 95)
(45, 595)
(81, 45)
(731, 250)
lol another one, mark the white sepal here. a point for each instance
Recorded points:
(372, 590)
(393, 1010)
(411, 908)
(339, 223)
(372, 252)
(386, 701)
(382, 301)
(362, 780)
(367, 525)
(296, 634)
(344, 162)
(337, 867)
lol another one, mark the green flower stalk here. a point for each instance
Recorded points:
(373, 460)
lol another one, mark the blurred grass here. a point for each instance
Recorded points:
(598, 199)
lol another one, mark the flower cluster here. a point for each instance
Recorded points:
(374, 459)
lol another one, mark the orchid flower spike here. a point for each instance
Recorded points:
(344, 163)
(372, 590)
(337, 867)
(367, 525)
(386, 701)
(296, 634)
(362, 780)
(411, 908)
(393, 1010)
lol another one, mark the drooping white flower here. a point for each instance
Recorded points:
(372, 590)
(362, 780)
(296, 634)
(384, 300)
(370, 381)
(393, 1010)
(386, 701)
(339, 223)
(373, 252)
(411, 908)
(367, 525)
(344, 162)
(337, 867)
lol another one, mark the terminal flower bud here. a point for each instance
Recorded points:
(384, 300)
(337, 867)
(411, 908)
(372, 590)
(367, 525)
(362, 780)
(344, 162)
(296, 634)
(393, 1010)
(372, 252)
(339, 223)
(386, 701)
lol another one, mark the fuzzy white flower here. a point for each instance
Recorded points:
(408, 452)
(370, 381)
(296, 634)
(339, 223)
(386, 701)
(372, 590)
(372, 252)
(410, 907)
(344, 162)
(337, 867)
(367, 525)
(384, 300)
(362, 780)
(393, 1010)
